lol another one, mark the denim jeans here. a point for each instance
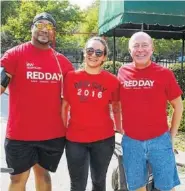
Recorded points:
(97, 155)
(158, 152)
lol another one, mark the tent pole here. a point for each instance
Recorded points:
(114, 52)
(142, 27)
(182, 60)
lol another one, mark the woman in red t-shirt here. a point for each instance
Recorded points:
(89, 93)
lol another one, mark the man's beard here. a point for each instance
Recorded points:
(42, 42)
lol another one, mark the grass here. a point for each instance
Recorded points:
(180, 141)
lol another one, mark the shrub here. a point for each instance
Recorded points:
(108, 65)
(176, 68)
(170, 111)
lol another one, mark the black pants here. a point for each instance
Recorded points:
(81, 155)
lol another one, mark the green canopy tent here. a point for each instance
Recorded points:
(160, 19)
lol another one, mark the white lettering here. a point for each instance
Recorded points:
(43, 76)
(79, 92)
(134, 83)
(86, 92)
(139, 83)
(59, 76)
(54, 77)
(152, 83)
(48, 76)
(99, 94)
(29, 64)
(29, 75)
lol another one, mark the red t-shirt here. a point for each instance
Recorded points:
(34, 92)
(144, 94)
(89, 97)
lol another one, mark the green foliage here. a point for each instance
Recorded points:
(8, 8)
(121, 45)
(176, 68)
(108, 65)
(179, 74)
(66, 15)
(8, 41)
(170, 111)
(89, 27)
(17, 16)
(167, 47)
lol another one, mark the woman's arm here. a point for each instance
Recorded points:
(64, 112)
(116, 109)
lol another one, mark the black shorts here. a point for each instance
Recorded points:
(22, 155)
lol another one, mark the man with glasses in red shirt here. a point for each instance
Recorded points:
(35, 135)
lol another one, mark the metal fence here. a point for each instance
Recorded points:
(75, 56)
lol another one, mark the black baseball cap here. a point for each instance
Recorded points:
(45, 16)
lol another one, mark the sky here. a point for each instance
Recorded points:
(81, 3)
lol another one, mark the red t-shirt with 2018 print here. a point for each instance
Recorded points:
(89, 97)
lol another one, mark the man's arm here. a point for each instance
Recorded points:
(5, 79)
(64, 112)
(116, 109)
(176, 115)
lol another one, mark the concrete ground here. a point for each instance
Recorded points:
(60, 179)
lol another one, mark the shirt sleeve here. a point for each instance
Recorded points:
(119, 73)
(173, 89)
(9, 61)
(67, 81)
(116, 90)
(66, 65)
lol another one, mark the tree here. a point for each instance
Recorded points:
(90, 23)
(166, 46)
(67, 17)
(8, 9)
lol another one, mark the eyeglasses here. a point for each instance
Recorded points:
(41, 26)
(98, 52)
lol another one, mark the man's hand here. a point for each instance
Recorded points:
(2, 89)
(173, 135)
(121, 131)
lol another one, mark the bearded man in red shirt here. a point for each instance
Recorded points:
(35, 135)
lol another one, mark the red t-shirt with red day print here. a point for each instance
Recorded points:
(89, 97)
(34, 92)
(144, 94)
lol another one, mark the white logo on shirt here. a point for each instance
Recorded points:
(139, 83)
(30, 65)
(43, 76)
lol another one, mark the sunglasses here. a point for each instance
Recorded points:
(41, 26)
(91, 51)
